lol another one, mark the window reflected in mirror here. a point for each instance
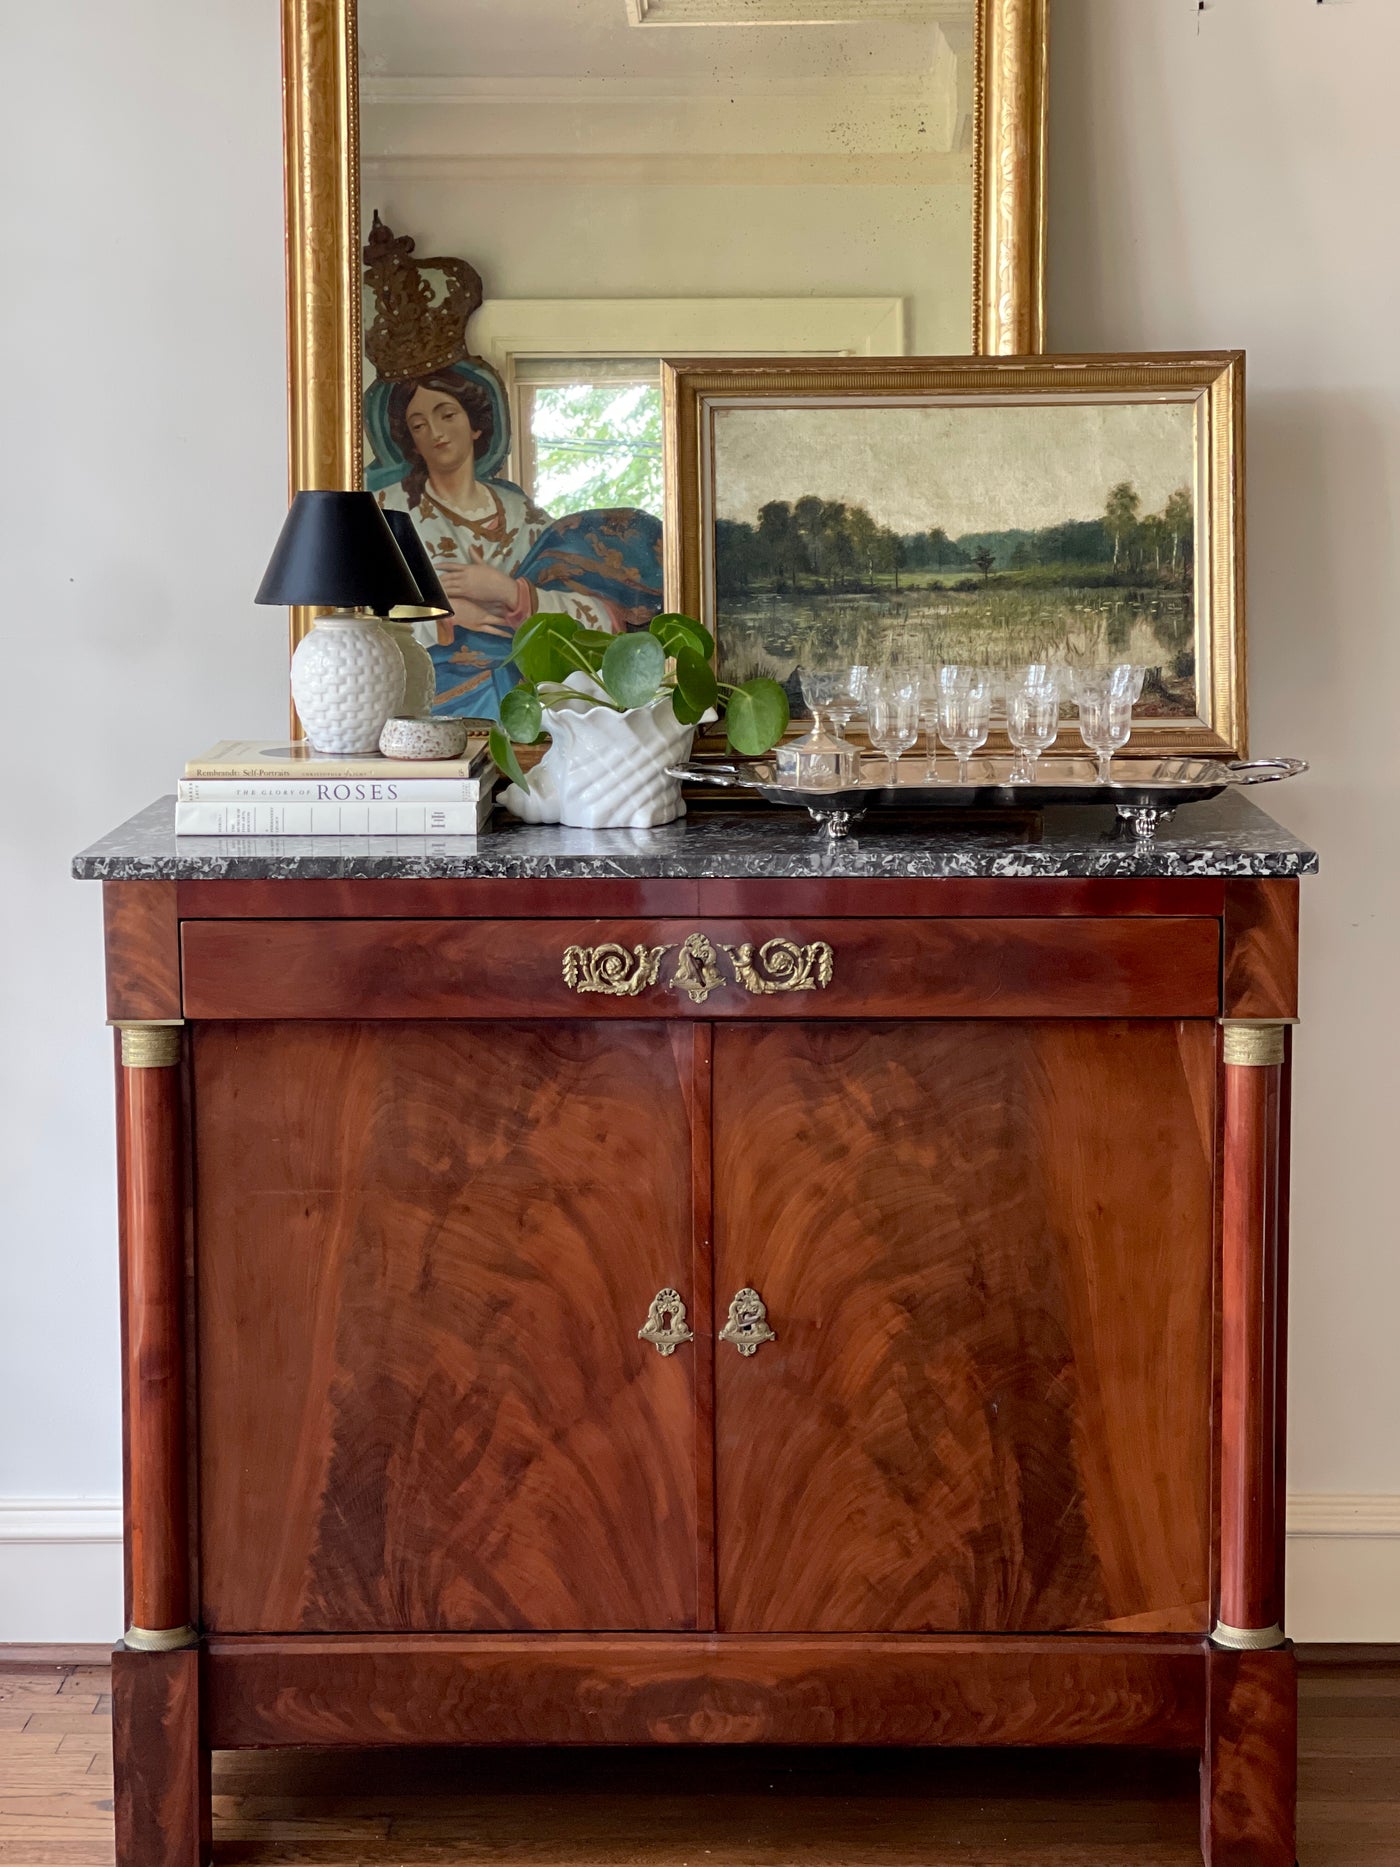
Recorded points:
(590, 433)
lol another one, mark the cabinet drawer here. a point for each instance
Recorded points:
(773, 968)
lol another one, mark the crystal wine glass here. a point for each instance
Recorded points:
(821, 759)
(1105, 721)
(892, 697)
(833, 695)
(1032, 714)
(964, 711)
(1121, 677)
(849, 698)
(928, 717)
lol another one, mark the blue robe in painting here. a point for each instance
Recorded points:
(602, 568)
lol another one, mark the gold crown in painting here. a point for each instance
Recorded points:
(421, 307)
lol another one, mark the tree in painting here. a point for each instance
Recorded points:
(819, 577)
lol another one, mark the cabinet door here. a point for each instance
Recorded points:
(424, 1252)
(985, 1249)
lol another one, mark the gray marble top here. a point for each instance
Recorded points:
(1227, 836)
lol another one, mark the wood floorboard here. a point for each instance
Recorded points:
(677, 1808)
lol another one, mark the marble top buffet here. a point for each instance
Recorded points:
(1226, 837)
(716, 1284)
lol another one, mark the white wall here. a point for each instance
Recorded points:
(1236, 187)
(1237, 184)
(144, 477)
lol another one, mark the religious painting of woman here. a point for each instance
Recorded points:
(439, 443)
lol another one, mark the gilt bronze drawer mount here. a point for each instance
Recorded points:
(775, 966)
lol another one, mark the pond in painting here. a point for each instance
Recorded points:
(996, 534)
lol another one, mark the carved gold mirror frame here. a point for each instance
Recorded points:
(321, 111)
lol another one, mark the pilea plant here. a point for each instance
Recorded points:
(670, 657)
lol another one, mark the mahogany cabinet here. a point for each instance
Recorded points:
(807, 1311)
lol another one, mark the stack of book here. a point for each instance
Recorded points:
(243, 787)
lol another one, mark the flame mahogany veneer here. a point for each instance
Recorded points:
(391, 1227)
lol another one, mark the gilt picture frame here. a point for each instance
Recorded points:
(1071, 509)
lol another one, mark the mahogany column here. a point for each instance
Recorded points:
(152, 1230)
(162, 1770)
(1250, 1762)
(1251, 1612)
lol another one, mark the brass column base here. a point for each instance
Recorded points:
(1246, 1639)
(159, 1639)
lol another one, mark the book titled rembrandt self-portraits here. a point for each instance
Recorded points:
(264, 761)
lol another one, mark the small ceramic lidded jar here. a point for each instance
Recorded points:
(336, 551)
(406, 737)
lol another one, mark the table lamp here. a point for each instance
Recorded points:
(336, 550)
(420, 676)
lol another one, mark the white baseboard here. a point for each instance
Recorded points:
(61, 1568)
(1343, 1567)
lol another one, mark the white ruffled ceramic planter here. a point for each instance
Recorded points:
(606, 770)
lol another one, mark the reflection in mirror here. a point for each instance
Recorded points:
(631, 180)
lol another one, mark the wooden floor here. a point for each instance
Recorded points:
(700, 1809)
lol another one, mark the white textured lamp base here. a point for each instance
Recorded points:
(347, 678)
(420, 676)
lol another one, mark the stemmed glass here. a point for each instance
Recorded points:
(892, 697)
(1125, 678)
(964, 711)
(1032, 714)
(833, 693)
(1105, 697)
(928, 718)
(847, 695)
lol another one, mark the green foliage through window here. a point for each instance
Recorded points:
(597, 445)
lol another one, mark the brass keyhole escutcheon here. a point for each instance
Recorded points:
(747, 1326)
(666, 1327)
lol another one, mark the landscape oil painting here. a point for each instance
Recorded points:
(977, 530)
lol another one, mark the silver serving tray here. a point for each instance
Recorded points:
(1144, 792)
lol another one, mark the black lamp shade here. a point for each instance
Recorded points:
(336, 551)
(433, 598)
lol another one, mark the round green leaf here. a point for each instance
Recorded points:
(756, 717)
(503, 756)
(675, 632)
(522, 716)
(687, 715)
(695, 680)
(632, 669)
(537, 648)
(592, 644)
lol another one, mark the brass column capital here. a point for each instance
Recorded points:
(149, 1044)
(1255, 1043)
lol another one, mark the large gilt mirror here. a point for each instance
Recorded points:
(554, 195)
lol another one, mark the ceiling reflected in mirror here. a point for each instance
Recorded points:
(682, 149)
